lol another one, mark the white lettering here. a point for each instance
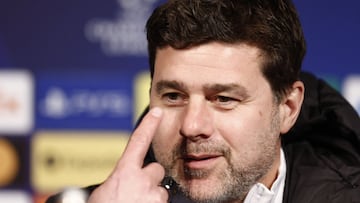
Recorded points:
(125, 35)
(57, 104)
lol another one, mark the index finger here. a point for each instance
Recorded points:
(140, 140)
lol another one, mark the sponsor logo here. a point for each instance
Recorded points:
(59, 104)
(351, 91)
(16, 102)
(9, 162)
(14, 197)
(97, 101)
(63, 159)
(125, 34)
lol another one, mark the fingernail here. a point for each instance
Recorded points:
(156, 112)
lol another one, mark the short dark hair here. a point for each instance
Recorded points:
(273, 26)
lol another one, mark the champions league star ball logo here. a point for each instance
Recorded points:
(125, 34)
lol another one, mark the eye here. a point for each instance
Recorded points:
(225, 102)
(173, 98)
(223, 99)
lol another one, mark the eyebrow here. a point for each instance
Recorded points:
(231, 87)
(213, 88)
(166, 84)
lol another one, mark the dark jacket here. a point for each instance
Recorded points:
(322, 150)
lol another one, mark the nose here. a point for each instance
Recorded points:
(197, 121)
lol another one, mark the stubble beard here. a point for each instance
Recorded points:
(230, 184)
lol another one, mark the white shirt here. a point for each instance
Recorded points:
(259, 193)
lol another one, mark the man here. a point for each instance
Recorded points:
(225, 89)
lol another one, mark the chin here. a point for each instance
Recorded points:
(201, 189)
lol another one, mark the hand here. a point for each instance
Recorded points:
(130, 181)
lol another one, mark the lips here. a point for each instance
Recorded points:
(200, 161)
(201, 157)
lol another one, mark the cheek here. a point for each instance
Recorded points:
(166, 135)
(242, 130)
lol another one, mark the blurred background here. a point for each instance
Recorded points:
(73, 79)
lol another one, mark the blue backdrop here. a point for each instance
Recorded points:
(84, 58)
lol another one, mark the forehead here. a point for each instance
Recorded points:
(212, 61)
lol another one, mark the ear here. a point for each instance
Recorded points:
(290, 106)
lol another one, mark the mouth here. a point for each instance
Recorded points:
(200, 161)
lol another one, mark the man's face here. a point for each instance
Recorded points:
(220, 131)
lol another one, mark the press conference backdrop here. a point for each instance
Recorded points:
(73, 78)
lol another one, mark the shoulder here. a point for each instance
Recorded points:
(322, 150)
